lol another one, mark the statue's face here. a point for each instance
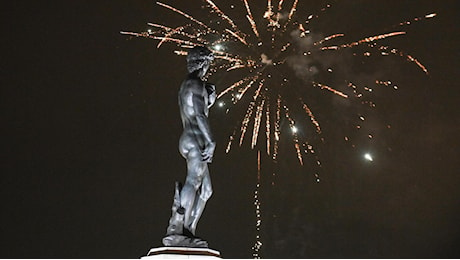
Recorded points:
(205, 68)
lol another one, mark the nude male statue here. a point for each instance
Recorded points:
(197, 146)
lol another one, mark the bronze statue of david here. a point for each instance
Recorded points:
(196, 145)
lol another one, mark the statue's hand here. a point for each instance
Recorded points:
(208, 152)
(211, 90)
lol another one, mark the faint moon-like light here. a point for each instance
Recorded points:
(368, 157)
(218, 47)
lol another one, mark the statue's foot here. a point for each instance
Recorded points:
(184, 241)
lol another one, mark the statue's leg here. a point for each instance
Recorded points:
(200, 201)
(195, 174)
(176, 222)
(175, 235)
(184, 199)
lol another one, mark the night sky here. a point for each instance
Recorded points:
(90, 127)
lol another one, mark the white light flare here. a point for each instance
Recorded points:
(368, 157)
(218, 47)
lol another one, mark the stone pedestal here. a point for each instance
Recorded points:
(182, 253)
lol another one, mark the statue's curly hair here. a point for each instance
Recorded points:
(197, 57)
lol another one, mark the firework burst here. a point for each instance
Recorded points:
(281, 64)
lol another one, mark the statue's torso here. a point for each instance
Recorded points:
(193, 100)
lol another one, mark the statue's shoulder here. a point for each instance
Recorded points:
(193, 84)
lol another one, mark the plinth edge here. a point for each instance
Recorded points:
(182, 253)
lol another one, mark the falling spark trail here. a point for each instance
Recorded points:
(377, 37)
(247, 117)
(407, 56)
(257, 120)
(181, 53)
(232, 87)
(277, 131)
(269, 12)
(322, 86)
(295, 139)
(222, 14)
(242, 91)
(166, 28)
(257, 93)
(280, 5)
(417, 19)
(329, 38)
(251, 19)
(185, 15)
(179, 31)
(168, 39)
(365, 40)
(137, 34)
(237, 66)
(258, 243)
(267, 126)
(303, 32)
(293, 9)
(237, 36)
(312, 117)
(230, 59)
(169, 34)
(229, 144)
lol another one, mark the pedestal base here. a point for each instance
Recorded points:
(182, 253)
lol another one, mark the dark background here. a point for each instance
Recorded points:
(90, 127)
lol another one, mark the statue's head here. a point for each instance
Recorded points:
(199, 59)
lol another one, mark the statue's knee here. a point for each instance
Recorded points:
(194, 182)
(206, 194)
